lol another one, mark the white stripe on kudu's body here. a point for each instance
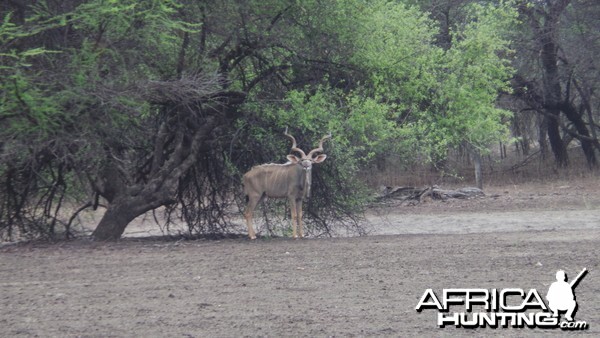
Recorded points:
(291, 180)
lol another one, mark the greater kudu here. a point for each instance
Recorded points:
(291, 180)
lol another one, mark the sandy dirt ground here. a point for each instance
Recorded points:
(515, 237)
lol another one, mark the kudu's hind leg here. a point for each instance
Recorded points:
(253, 201)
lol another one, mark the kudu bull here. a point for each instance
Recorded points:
(291, 180)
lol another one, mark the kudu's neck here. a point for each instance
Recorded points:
(307, 182)
(305, 179)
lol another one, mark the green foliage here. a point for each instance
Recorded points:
(74, 85)
(401, 92)
(25, 104)
(444, 97)
(422, 96)
(398, 52)
(479, 72)
(69, 92)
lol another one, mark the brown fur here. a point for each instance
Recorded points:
(277, 181)
(291, 180)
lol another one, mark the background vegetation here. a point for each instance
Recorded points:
(136, 105)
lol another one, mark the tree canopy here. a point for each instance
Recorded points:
(137, 105)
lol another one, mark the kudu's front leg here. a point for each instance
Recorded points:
(296, 208)
(299, 215)
(294, 216)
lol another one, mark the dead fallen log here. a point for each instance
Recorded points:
(433, 192)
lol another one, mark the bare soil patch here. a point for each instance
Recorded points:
(359, 286)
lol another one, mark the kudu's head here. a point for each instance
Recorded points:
(306, 161)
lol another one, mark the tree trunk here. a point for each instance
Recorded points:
(133, 199)
(542, 132)
(553, 97)
(477, 164)
(546, 30)
(556, 143)
(115, 220)
(583, 134)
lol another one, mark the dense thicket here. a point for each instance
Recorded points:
(136, 105)
(558, 74)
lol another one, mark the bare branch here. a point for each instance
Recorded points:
(186, 90)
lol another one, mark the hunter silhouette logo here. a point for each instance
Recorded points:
(510, 307)
(561, 296)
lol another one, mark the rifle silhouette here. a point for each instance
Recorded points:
(578, 278)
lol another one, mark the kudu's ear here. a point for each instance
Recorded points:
(293, 159)
(320, 158)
